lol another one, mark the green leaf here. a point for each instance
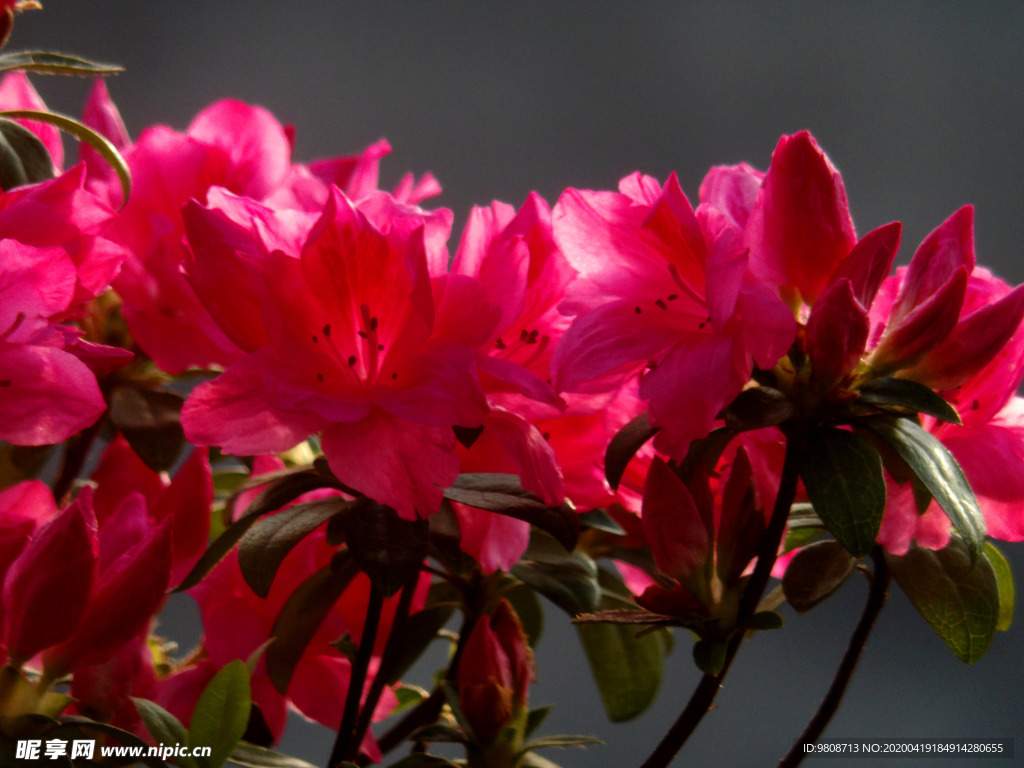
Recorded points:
(706, 452)
(252, 756)
(75, 725)
(566, 740)
(284, 488)
(758, 407)
(1004, 583)
(83, 133)
(940, 473)
(528, 608)
(302, 615)
(910, 396)
(439, 732)
(533, 760)
(221, 714)
(815, 573)
(959, 600)
(387, 548)
(423, 761)
(51, 63)
(164, 727)
(504, 494)
(24, 158)
(150, 421)
(265, 546)
(421, 629)
(408, 697)
(842, 473)
(626, 668)
(709, 656)
(568, 579)
(764, 620)
(536, 717)
(599, 520)
(623, 448)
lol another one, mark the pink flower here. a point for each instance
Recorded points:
(235, 146)
(360, 336)
(666, 293)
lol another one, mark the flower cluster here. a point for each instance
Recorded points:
(288, 358)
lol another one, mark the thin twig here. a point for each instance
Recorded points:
(830, 704)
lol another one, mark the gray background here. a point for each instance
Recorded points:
(920, 106)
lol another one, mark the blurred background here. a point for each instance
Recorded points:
(920, 105)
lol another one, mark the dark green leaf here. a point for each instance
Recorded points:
(51, 63)
(756, 408)
(959, 600)
(440, 733)
(85, 725)
(264, 546)
(709, 656)
(164, 727)
(764, 620)
(568, 579)
(842, 473)
(910, 396)
(83, 133)
(21, 462)
(548, 742)
(302, 616)
(150, 421)
(938, 470)
(527, 607)
(221, 714)
(536, 717)
(504, 494)
(286, 486)
(421, 629)
(252, 756)
(706, 452)
(600, 520)
(626, 668)
(1004, 583)
(423, 761)
(24, 158)
(386, 548)
(623, 448)
(815, 573)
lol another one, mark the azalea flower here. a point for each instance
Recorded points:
(664, 293)
(359, 335)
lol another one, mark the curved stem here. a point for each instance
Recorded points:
(830, 704)
(346, 745)
(707, 689)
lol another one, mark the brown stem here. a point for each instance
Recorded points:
(75, 455)
(428, 710)
(395, 638)
(830, 704)
(707, 689)
(346, 746)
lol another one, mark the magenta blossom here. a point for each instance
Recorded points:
(232, 145)
(664, 293)
(358, 335)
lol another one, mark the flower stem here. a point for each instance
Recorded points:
(707, 689)
(426, 711)
(75, 455)
(830, 704)
(395, 639)
(346, 745)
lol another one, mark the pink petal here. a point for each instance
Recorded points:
(837, 332)
(800, 227)
(16, 92)
(870, 262)
(731, 189)
(679, 537)
(48, 395)
(495, 541)
(394, 462)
